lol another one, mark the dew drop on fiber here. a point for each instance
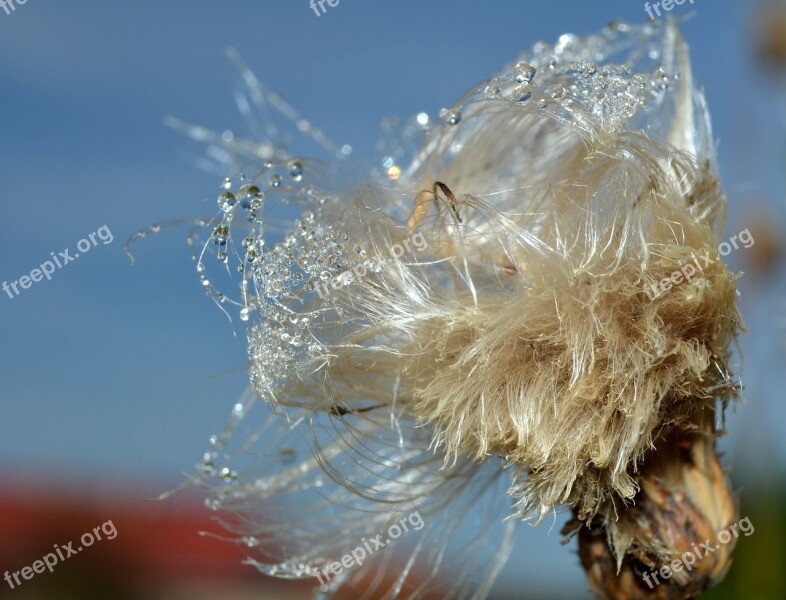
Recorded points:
(452, 117)
(226, 200)
(493, 92)
(296, 170)
(523, 73)
(521, 93)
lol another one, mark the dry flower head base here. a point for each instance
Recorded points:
(685, 499)
(467, 327)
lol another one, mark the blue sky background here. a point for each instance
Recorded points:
(118, 373)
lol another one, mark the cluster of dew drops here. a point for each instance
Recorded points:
(568, 76)
(241, 209)
(573, 77)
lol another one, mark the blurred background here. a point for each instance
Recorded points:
(114, 376)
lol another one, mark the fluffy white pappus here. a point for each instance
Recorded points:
(475, 317)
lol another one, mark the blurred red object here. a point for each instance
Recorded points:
(158, 551)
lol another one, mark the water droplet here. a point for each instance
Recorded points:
(222, 257)
(244, 312)
(226, 200)
(296, 170)
(287, 455)
(556, 91)
(619, 26)
(567, 41)
(523, 73)
(452, 117)
(227, 184)
(228, 475)
(422, 119)
(212, 503)
(493, 92)
(252, 201)
(220, 235)
(275, 180)
(521, 93)
(542, 103)
(248, 242)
